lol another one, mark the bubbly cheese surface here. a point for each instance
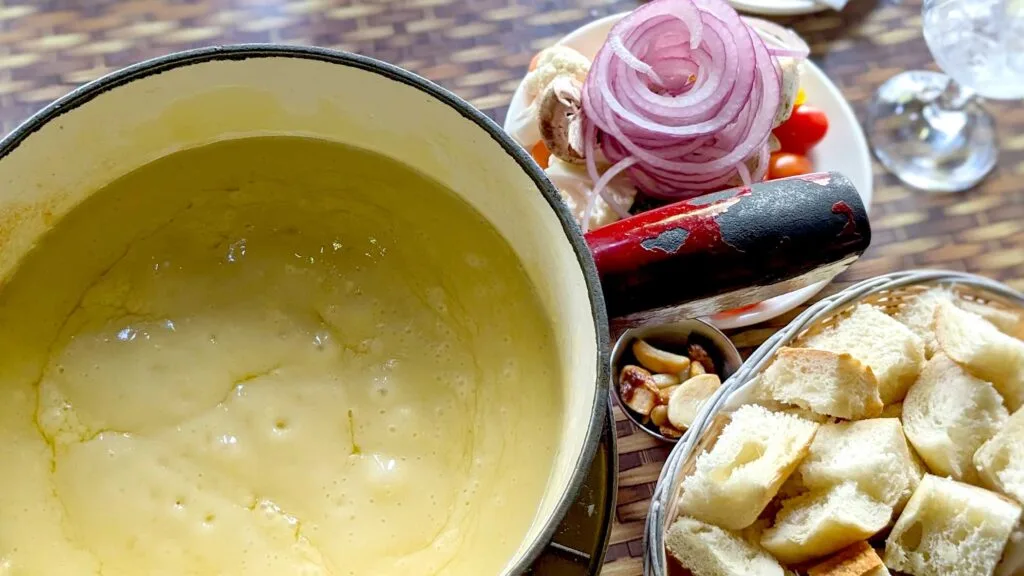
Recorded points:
(272, 356)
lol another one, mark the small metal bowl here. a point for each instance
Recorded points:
(672, 337)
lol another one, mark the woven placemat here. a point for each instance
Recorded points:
(480, 49)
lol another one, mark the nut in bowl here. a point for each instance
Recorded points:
(880, 432)
(664, 374)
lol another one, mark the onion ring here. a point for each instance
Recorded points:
(679, 97)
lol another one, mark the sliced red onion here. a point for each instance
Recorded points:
(679, 97)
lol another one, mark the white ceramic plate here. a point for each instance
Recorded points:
(844, 150)
(777, 7)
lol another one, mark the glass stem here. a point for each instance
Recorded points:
(954, 97)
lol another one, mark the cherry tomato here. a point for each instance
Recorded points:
(804, 129)
(541, 154)
(784, 165)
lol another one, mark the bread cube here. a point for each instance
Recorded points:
(918, 314)
(824, 382)
(858, 559)
(983, 350)
(1012, 563)
(893, 410)
(948, 414)
(894, 353)
(873, 453)
(707, 550)
(755, 453)
(819, 523)
(951, 529)
(1008, 322)
(1000, 461)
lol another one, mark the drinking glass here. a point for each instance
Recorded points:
(929, 129)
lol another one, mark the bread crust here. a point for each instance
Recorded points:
(858, 559)
(827, 383)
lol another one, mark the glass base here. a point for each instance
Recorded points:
(925, 146)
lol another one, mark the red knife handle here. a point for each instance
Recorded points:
(745, 237)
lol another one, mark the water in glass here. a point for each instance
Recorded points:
(979, 43)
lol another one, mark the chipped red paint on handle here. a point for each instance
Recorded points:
(752, 236)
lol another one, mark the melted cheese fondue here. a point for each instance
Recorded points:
(272, 356)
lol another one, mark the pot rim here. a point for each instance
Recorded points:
(160, 64)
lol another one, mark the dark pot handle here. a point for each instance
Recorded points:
(729, 249)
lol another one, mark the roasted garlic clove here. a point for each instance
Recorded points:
(670, 432)
(687, 400)
(666, 380)
(637, 389)
(697, 353)
(659, 416)
(665, 393)
(696, 369)
(639, 400)
(659, 361)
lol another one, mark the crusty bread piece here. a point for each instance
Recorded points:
(983, 350)
(1007, 321)
(689, 397)
(918, 314)
(858, 559)
(792, 487)
(755, 453)
(775, 406)
(753, 532)
(881, 570)
(1012, 563)
(894, 353)
(948, 414)
(822, 522)
(824, 382)
(893, 410)
(1000, 460)
(707, 550)
(951, 529)
(873, 453)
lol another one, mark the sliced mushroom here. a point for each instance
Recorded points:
(561, 124)
(659, 361)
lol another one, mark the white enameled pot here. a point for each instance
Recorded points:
(112, 126)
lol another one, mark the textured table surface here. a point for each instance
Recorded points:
(480, 49)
